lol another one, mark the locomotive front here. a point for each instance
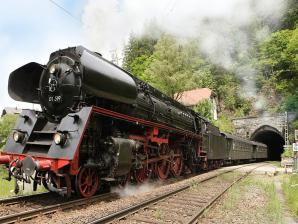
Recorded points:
(45, 146)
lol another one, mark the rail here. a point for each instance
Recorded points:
(123, 214)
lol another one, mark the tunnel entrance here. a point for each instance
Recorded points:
(272, 138)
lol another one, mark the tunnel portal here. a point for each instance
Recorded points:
(272, 138)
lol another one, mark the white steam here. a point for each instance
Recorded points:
(227, 30)
(133, 190)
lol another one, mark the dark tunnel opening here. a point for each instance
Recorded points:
(273, 140)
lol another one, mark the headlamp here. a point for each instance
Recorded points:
(18, 136)
(60, 138)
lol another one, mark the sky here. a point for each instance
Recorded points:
(30, 30)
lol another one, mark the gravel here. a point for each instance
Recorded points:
(130, 196)
(246, 207)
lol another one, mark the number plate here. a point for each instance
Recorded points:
(55, 99)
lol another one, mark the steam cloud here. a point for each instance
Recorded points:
(227, 30)
(132, 190)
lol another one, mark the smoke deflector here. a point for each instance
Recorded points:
(23, 83)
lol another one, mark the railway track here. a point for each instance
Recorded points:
(183, 205)
(19, 199)
(28, 210)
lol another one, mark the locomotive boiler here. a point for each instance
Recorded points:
(99, 124)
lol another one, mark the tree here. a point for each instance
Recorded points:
(291, 103)
(174, 66)
(204, 109)
(225, 124)
(290, 18)
(7, 122)
(137, 54)
(278, 60)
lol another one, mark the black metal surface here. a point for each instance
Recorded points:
(123, 149)
(60, 86)
(105, 80)
(25, 123)
(74, 131)
(29, 166)
(23, 83)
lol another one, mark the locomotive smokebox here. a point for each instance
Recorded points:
(105, 80)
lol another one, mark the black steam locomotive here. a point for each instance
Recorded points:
(100, 124)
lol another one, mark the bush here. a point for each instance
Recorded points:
(7, 122)
(225, 124)
(204, 109)
(288, 152)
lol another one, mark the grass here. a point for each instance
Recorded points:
(233, 198)
(290, 188)
(158, 214)
(7, 187)
(275, 163)
(272, 209)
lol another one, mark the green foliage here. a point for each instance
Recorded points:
(294, 124)
(173, 66)
(291, 102)
(225, 124)
(7, 122)
(204, 109)
(136, 54)
(279, 60)
(290, 19)
(139, 65)
(288, 153)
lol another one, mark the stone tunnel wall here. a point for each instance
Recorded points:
(246, 126)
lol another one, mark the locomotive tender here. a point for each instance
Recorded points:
(101, 124)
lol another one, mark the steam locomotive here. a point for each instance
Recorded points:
(99, 124)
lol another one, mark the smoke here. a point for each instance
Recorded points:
(228, 31)
(132, 190)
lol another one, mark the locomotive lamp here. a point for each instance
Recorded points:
(18, 136)
(53, 69)
(60, 138)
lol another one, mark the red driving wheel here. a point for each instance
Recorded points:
(163, 166)
(143, 174)
(177, 163)
(87, 182)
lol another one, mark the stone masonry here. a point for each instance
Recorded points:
(246, 126)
